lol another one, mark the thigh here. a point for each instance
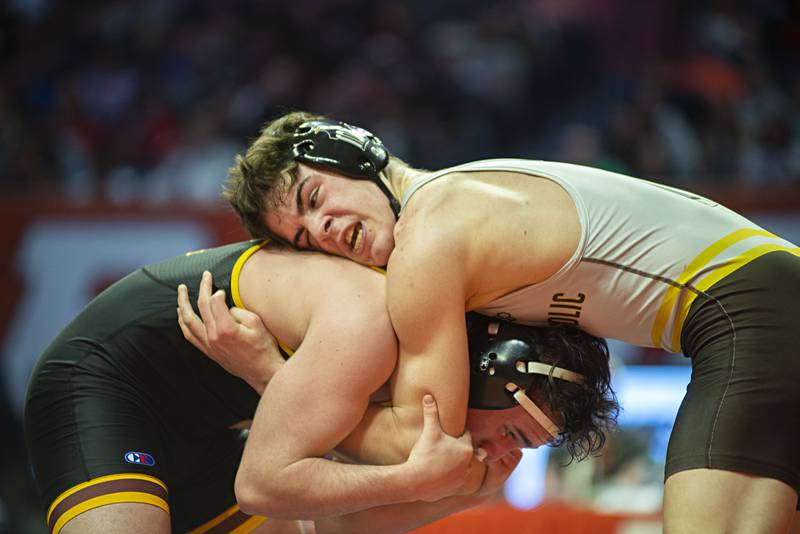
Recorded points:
(120, 518)
(707, 500)
(91, 444)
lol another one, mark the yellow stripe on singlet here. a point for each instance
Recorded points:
(111, 498)
(236, 296)
(250, 525)
(237, 269)
(215, 521)
(679, 300)
(717, 275)
(672, 293)
(100, 480)
(247, 526)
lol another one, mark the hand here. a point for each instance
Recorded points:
(441, 464)
(498, 472)
(234, 338)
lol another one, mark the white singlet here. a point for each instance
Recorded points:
(646, 251)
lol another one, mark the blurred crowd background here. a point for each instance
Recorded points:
(145, 102)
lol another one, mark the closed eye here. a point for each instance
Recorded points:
(520, 438)
(302, 239)
(310, 242)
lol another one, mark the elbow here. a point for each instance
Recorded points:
(255, 496)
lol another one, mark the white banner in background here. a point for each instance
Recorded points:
(61, 263)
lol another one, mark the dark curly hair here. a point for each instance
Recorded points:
(584, 410)
(589, 409)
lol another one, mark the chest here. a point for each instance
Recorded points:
(512, 230)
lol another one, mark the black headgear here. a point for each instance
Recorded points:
(348, 149)
(503, 353)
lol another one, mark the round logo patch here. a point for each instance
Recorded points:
(141, 458)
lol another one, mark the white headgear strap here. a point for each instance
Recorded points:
(540, 368)
(534, 411)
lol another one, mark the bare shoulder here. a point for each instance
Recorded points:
(310, 268)
(502, 229)
(288, 289)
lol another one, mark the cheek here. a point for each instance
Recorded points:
(275, 224)
(478, 430)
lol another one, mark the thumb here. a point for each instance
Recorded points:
(430, 414)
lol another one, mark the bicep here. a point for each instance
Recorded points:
(299, 416)
(426, 305)
(322, 392)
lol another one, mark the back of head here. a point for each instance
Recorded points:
(561, 367)
(588, 409)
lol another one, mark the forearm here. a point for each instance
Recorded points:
(397, 517)
(313, 488)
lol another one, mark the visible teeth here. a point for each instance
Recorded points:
(355, 236)
(359, 237)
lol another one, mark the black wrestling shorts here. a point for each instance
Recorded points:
(93, 441)
(742, 407)
(122, 409)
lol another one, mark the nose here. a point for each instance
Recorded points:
(322, 228)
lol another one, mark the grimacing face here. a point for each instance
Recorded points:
(500, 431)
(326, 211)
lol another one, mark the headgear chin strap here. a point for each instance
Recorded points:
(504, 359)
(348, 149)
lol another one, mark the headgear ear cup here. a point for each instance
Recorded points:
(501, 352)
(353, 151)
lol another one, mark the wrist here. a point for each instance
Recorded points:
(476, 480)
(258, 385)
(413, 482)
(261, 380)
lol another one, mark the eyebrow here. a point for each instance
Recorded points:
(300, 209)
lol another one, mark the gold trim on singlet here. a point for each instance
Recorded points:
(116, 494)
(717, 275)
(237, 298)
(237, 269)
(231, 521)
(677, 298)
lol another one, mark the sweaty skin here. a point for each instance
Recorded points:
(457, 247)
(282, 472)
(446, 241)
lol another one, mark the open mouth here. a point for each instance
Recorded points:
(356, 237)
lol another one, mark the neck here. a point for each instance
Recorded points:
(401, 177)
